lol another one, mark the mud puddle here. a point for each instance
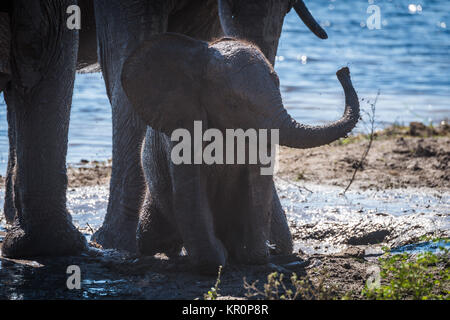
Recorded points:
(323, 220)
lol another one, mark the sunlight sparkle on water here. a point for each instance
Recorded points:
(414, 8)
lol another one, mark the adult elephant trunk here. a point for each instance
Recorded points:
(261, 22)
(295, 135)
(309, 20)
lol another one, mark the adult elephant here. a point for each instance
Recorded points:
(43, 64)
(261, 21)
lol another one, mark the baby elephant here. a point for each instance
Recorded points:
(219, 210)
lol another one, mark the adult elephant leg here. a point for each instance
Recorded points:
(121, 27)
(9, 208)
(43, 70)
(280, 235)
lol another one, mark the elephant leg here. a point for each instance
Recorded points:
(194, 220)
(127, 183)
(155, 233)
(9, 207)
(254, 233)
(280, 235)
(43, 60)
(121, 27)
(5, 40)
(4, 79)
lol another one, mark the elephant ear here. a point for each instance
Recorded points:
(163, 78)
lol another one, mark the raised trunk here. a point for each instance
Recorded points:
(296, 135)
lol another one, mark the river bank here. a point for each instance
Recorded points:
(400, 157)
(336, 248)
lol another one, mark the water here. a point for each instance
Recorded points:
(407, 60)
(325, 222)
(422, 247)
(328, 222)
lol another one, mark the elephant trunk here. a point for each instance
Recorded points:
(309, 20)
(261, 22)
(295, 135)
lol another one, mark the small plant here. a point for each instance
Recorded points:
(422, 277)
(297, 289)
(214, 292)
(371, 136)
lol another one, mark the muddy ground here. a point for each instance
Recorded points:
(112, 275)
(400, 157)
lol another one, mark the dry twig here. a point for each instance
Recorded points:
(371, 117)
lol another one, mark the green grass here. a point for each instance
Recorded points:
(277, 288)
(395, 130)
(425, 276)
(213, 294)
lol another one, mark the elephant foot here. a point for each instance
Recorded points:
(251, 254)
(49, 238)
(208, 262)
(209, 267)
(282, 247)
(252, 258)
(155, 235)
(280, 234)
(120, 235)
(281, 244)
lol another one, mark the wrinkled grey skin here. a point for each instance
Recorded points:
(214, 211)
(43, 62)
(120, 31)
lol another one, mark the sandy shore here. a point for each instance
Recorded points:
(396, 159)
(399, 157)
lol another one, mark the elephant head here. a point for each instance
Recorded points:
(261, 21)
(230, 83)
